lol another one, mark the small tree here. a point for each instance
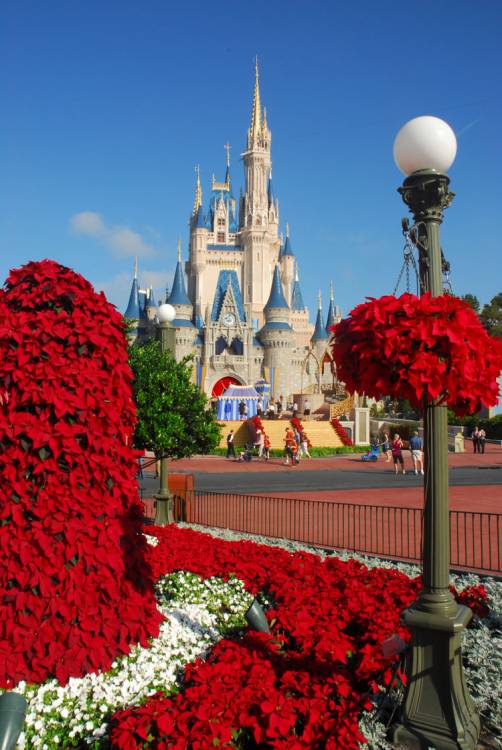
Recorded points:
(173, 418)
(472, 301)
(491, 316)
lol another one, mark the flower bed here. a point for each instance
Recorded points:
(341, 432)
(307, 685)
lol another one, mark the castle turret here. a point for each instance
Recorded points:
(319, 338)
(288, 264)
(196, 264)
(132, 310)
(334, 316)
(277, 335)
(178, 297)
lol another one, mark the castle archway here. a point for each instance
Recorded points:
(222, 384)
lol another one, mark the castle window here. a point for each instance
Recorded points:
(221, 222)
(221, 237)
(220, 345)
(237, 347)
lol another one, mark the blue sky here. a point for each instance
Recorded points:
(107, 107)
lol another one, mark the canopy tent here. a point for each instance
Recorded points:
(228, 402)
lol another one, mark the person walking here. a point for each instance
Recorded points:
(416, 448)
(386, 448)
(306, 408)
(259, 407)
(475, 440)
(260, 442)
(266, 447)
(242, 409)
(481, 441)
(278, 405)
(397, 454)
(230, 445)
(289, 447)
(304, 445)
(271, 410)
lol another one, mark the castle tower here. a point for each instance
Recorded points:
(277, 338)
(288, 265)
(259, 211)
(300, 323)
(319, 340)
(334, 316)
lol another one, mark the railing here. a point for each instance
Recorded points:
(385, 531)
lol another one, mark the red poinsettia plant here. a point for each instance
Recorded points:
(341, 431)
(423, 349)
(75, 588)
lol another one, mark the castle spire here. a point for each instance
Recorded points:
(320, 329)
(198, 192)
(331, 317)
(135, 266)
(179, 249)
(256, 121)
(227, 173)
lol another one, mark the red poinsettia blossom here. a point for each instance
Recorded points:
(341, 431)
(419, 348)
(75, 588)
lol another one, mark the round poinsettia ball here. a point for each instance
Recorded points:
(75, 588)
(421, 349)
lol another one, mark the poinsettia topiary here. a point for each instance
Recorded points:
(75, 588)
(421, 349)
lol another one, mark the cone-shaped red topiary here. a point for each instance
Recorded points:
(75, 588)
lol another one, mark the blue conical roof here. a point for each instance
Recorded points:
(277, 298)
(178, 294)
(297, 297)
(331, 320)
(132, 310)
(319, 330)
(286, 248)
(199, 219)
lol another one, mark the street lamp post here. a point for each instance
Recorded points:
(164, 500)
(437, 710)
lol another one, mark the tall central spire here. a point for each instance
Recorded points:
(256, 121)
(198, 192)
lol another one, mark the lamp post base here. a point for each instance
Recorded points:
(163, 509)
(437, 710)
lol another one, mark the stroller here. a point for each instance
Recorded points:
(372, 454)
(247, 453)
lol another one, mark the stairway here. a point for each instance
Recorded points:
(321, 434)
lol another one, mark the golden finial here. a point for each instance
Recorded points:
(198, 191)
(227, 149)
(179, 249)
(135, 266)
(256, 114)
(331, 292)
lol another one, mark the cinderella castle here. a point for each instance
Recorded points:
(239, 307)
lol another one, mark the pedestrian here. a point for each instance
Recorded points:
(289, 446)
(304, 445)
(475, 440)
(260, 442)
(397, 454)
(278, 406)
(140, 466)
(481, 441)
(306, 408)
(259, 407)
(416, 448)
(294, 409)
(266, 447)
(386, 448)
(230, 445)
(271, 410)
(242, 409)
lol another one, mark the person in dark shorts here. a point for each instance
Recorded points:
(397, 454)
(230, 445)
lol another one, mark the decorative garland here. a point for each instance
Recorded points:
(421, 349)
(341, 431)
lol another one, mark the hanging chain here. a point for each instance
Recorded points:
(409, 261)
(413, 242)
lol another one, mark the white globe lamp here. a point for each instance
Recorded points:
(425, 143)
(166, 313)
